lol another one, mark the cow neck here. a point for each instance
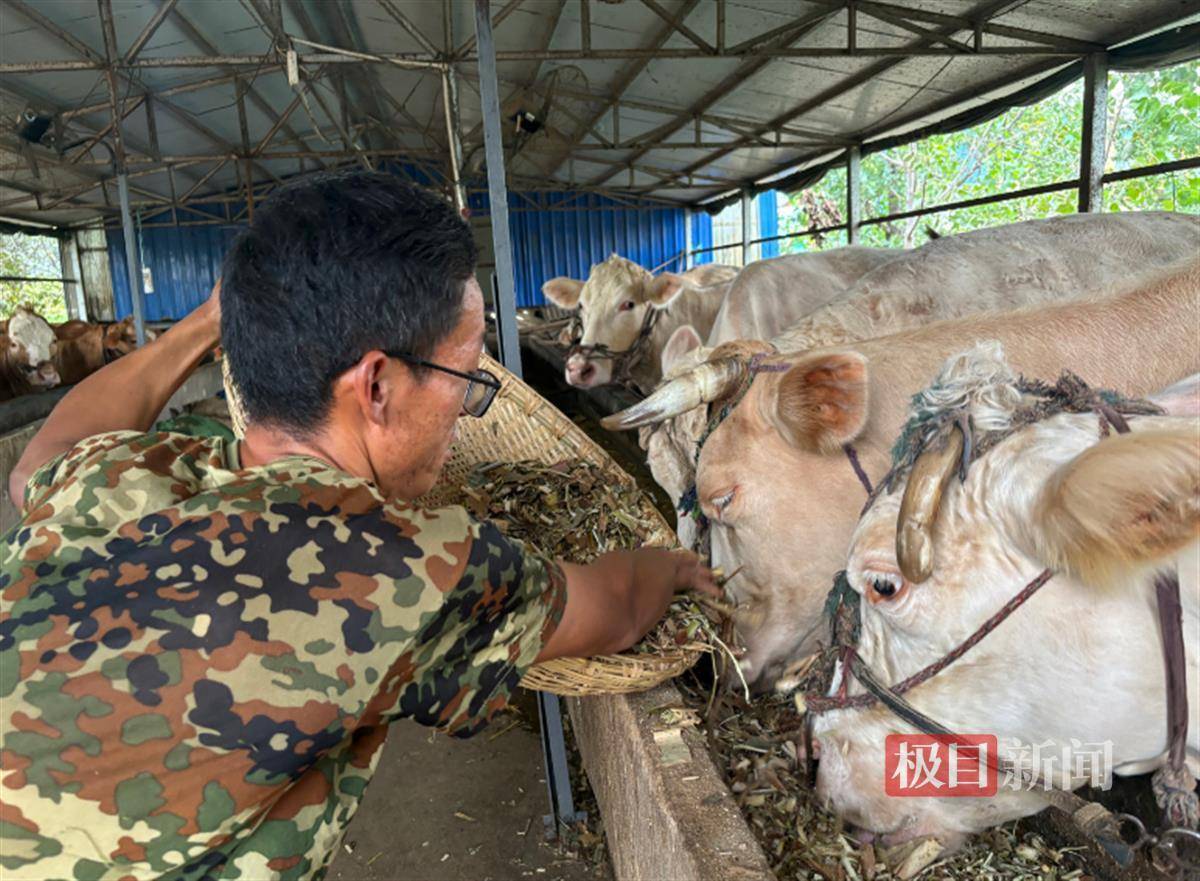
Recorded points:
(1173, 784)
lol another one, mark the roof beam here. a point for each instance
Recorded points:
(405, 22)
(734, 80)
(537, 72)
(160, 15)
(903, 23)
(117, 77)
(193, 33)
(626, 78)
(419, 60)
(364, 79)
(677, 25)
(508, 9)
(981, 13)
(100, 135)
(972, 22)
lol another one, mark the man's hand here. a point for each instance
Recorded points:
(692, 574)
(615, 601)
(210, 310)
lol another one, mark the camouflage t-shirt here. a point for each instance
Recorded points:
(198, 662)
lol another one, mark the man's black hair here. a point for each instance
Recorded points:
(333, 266)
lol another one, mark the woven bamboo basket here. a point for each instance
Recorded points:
(521, 424)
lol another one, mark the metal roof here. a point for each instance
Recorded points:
(675, 100)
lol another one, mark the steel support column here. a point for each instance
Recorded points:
(558, 781)
(132, 266)
(489, 91)
(1095, 132)
(853, 194)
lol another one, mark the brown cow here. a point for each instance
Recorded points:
(83, 348)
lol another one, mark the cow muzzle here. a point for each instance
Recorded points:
(585, 372)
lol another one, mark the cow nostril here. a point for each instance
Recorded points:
(588, 371)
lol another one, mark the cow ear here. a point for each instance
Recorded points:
(1180, 399)
(563, 291)
(821, 403)
(683, 340)
(1130, 502)
(662, 289)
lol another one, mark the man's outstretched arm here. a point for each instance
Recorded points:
(616, 600)
(127, 394)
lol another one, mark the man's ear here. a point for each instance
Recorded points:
(1130, 502)
(661, 290)
(563, 291)
(370, 385)
(683, 340)
(821, 403)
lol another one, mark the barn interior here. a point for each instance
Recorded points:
(140, 135)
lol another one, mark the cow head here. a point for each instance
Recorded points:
(612, 304)
(31, 347)
(671, 445)
(771, 476)
(1080, 661)
(120, 338)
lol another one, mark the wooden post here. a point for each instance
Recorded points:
(1095, 132)
(853, 194)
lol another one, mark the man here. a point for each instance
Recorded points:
(202, 641)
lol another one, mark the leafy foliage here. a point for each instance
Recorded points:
(1153, 116)
(33, 257)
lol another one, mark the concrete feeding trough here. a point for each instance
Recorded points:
(667, 812)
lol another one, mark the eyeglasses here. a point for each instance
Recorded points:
(482, 385)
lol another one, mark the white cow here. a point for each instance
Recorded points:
(766, 297)
(618, 299)
(773, 477)
(988, 270)
(30, 348)
(1081, 662)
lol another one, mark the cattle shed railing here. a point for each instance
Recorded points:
(1007, 196)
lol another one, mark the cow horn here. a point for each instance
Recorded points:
(702, 385)
(930, 476)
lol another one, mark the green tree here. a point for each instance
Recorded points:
(1153, 116)
(31, 257)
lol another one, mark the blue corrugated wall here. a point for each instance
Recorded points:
(585, 229)
(184, 263)
(702, 237)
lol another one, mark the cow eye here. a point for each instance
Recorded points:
(883, 586)
(627, 306)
